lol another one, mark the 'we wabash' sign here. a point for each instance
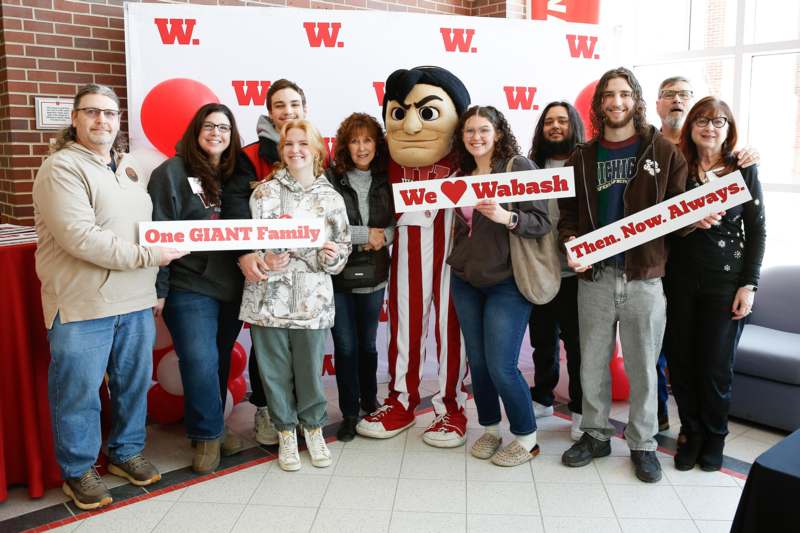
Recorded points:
(464, 191)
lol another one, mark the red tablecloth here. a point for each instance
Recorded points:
(26, 444)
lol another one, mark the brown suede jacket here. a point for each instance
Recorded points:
(652, 184)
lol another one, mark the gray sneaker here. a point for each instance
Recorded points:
(137, 470)
(87, 491)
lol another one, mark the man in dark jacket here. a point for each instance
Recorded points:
(627, 167)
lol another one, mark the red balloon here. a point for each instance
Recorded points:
(583, 103)
(169, 107)
(238, 388)
(163, 407)
(238, 362)
(620, 386)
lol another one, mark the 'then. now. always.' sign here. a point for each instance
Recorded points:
(660, 219)
(465, 191)
(207, 235)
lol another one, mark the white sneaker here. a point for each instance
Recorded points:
(541, 411)
(265, 431)
(575, 431)
(317, 449)
(288, 456)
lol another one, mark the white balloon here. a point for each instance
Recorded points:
(163, 338)
(228, 404)
(169, 375)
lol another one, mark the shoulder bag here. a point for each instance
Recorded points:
(536, 265)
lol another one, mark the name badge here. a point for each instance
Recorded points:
(195, 185)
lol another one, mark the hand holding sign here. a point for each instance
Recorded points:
(493, 211)
(574, 265)
(711, 220)
(167, 255)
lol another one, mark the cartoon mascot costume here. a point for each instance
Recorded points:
(421, 107)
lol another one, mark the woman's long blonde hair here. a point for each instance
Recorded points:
(315, 142)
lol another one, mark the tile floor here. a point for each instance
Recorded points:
(402, 484)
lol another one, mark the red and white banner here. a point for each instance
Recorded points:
(181, 56)
(207, 235)
(660, 219)
(465, 191)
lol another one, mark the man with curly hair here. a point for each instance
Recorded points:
(627, 167)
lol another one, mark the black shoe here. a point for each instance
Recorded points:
(689, 447)
(710, 459)
(663, 423)
(587, 448)
(347, 429)
(370, 405)
(648, 469)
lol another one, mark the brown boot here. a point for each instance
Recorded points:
(231, 443)
(206, 456)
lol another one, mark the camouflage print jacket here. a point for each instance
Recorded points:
(300, 297)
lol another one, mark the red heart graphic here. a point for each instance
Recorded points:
(454, 190)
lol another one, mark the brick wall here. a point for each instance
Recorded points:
(50, 47)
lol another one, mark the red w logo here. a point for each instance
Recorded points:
(251, 92)
(582, 46)
(520, 97)
(330, 144)
(585, 11)
(379, 87)
(458, 38)
(323, 34)
(180, 30)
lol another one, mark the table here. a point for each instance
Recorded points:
(771, 497)
(27, 454)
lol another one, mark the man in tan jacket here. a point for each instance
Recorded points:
(98, 288)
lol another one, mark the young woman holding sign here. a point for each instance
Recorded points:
(359, 175)
(290, 306)
(712, 275)
(491, 310)
(199, 294)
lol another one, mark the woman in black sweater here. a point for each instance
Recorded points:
(200, 294)
(712, 276)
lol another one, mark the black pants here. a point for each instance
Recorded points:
(701, 340)
(227, 333)
(257, 397)
(549, 322)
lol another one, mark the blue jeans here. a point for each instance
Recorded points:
(493, 321)
(194, 322)
(80, 354)
(354, 331)
(663, 392)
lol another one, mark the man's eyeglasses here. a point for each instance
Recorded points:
(669, 94)
(210, 126)
(93, 112)
(717, 122)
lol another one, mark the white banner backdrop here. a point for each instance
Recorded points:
(180, 56)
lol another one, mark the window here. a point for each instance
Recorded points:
(746, 52)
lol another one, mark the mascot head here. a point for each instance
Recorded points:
(421, 107)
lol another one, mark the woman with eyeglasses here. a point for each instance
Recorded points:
(712, 275)
(491, 310)
(200, 294)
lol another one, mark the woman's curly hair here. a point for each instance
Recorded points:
(355, 124)
(505, 144)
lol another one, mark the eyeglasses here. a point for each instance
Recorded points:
(669, 94)
(717, 122)
(93, 112)
(210, 126)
